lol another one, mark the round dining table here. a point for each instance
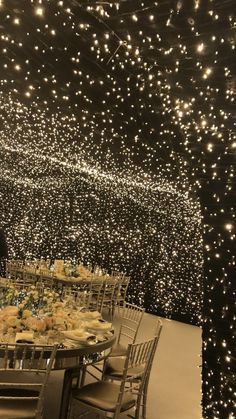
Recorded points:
(71, 357)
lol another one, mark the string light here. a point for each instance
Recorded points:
(39, 11)
(200, 47)
(113, 119)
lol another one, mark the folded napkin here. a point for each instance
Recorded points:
(24, 337)
(80, 336)
(93, 315)
(99, 325)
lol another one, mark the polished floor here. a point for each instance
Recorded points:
(175, 383)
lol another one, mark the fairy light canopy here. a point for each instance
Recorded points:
(113, 115)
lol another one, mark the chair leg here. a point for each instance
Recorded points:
(138, 406)
(144, 405)
(83, 375)
(113, 310)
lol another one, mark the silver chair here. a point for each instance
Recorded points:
(131, 317)
(120, 292)
(24, 373)
(30, 277)
(46, 279)
(95, 288)
(107, 295)
(19, 285)
(83, 299)
(117, 274)
(106, 398)
(113, 370)
(79, 298)
(130, 322)
(14, 269)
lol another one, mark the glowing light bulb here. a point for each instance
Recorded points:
(39, 11)
(200, 47)
(210, 147)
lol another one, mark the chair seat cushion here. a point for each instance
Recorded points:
(118, 350)
(114, 368)
(16, 408)
(104, 395)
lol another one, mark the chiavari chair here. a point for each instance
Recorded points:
(131, 317)
(120, 292)
(113, 369)
(107, 398)
(24, 373)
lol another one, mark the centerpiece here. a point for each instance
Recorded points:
(43, 314)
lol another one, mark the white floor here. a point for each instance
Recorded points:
(175, 383)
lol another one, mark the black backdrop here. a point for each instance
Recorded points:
(114, 117)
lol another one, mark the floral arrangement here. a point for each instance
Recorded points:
(32, 297)
(36, 310)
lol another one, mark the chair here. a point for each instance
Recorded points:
(95, 288)
(105, 398)
(158, 330)
(106, 296)
(14, 269)
(117, 274)
(120, 292)
(46, 279)
(24, 373)
(83, 299)
(130, 322)
(113, 369)
(20, 285)
(78, 298)
(30, 277)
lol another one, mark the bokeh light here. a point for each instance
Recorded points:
(118, 147)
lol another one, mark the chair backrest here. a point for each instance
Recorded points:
(157, 333)
(83, 299)
(137, 360)
(14, 269)
(107, 293)
(118, 275)
(130, 322)
(78, 297)
(46, 278)
(121, 289)
(17, 284)
(30, 277)
(25, 367)
(95, 288)
(21, 285)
